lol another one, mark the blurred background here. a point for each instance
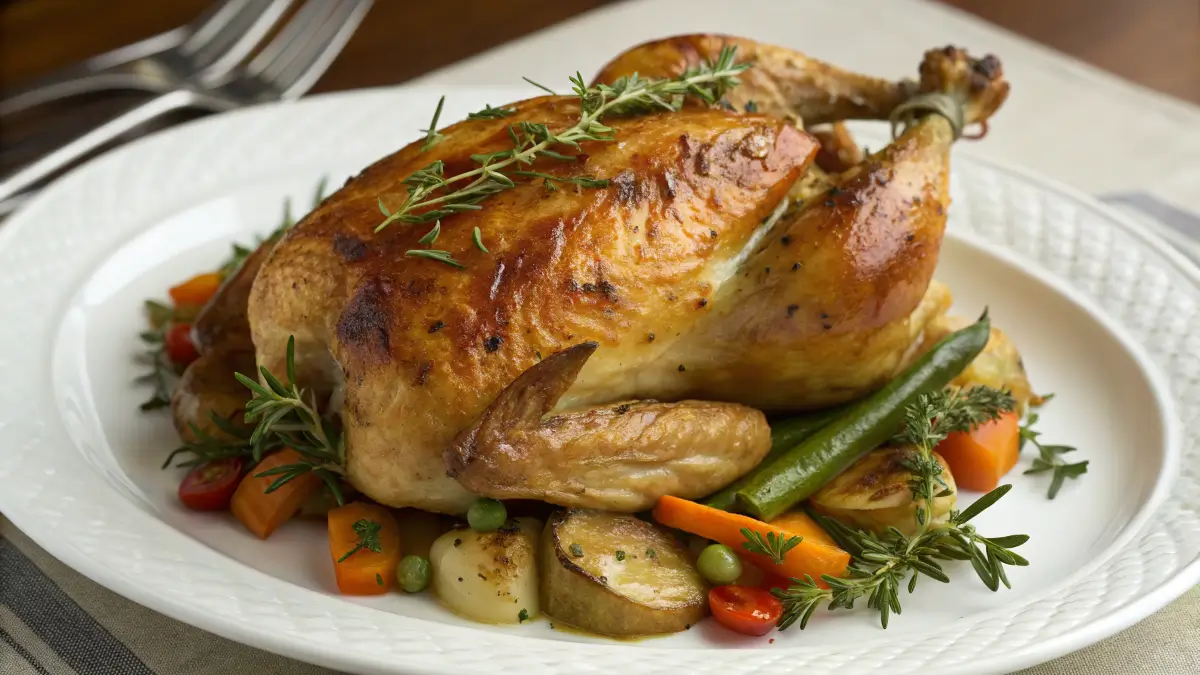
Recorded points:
(1155, 43)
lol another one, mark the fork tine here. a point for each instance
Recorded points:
(296, 67)
(305, 21)
(221, 43)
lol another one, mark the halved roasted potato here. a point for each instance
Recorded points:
(616, 574)
(488, 576)
(873, 494)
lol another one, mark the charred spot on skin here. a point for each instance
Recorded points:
(824, 315)
(701, 303)
(785, 240)
(493, 343)
(366, 321)
(423, 373)
(910, 237)
(622, 409)
(349, 247)
(712, 234)
(669, 177)
(626, 184)
(826, 325)
(436, 326)
(703, 164)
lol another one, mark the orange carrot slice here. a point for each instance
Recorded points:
(815, 555)
(197, 291)
(979, 458)
(261, 512)
(355, 530)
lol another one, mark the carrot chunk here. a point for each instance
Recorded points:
(979, 458)
(364, 543)
(816, 554)
(261, 511)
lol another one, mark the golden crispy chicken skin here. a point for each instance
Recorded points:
(621, 457)
(668, 270)
(421, 348)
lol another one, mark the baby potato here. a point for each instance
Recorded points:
(488, 576)
(873, 494)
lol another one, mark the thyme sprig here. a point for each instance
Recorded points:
(932, 418)
(881, 563)
(430, 196)
(1049, 458)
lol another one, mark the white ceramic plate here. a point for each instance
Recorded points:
(1105, 315)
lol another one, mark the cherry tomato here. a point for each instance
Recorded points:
(196, 291)
(749, 611)
(180, 349)
(210, 486)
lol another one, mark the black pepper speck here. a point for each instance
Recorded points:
(796, 266)
(493, 343)
(791, 310)
(436, 326)
(681, 368)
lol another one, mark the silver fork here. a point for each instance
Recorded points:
(287, 66)
(207, 48)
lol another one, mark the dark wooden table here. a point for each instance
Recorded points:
(1152, 42)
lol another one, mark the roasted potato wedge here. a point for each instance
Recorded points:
(616, 574)
(873, 494)
(490, 577)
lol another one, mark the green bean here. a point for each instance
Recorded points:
(799, 472)
(785, 435)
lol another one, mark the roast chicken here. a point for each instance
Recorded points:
(619, 343)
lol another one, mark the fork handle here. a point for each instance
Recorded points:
(91, 141)
(104, 72)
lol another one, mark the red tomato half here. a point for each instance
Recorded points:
(749, 611)
(210, 486)
(180, 349)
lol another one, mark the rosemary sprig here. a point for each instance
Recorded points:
(285, 418)
(477, 237)
(880, 564)
(162, 373)
(532, 140)
(773, 546)
(368, 538)
(1049, 458)
(208, 448)
(929, 421)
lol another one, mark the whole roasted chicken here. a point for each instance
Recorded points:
(641, 301)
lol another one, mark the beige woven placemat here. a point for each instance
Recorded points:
(55, 621)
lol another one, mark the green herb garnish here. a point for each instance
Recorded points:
(773, 546)
(532, 140)
(881, 563)
(576, 550)
(523, 616)
(368, 538)
(1049, 458)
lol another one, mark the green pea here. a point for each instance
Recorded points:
(719, 564)
(413, 573)
(486, 515)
